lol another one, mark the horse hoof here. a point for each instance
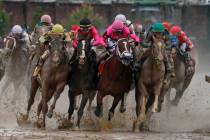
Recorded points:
(49, 114)
(97, 113)
(135, 128)
(111, 114)
(122, 110)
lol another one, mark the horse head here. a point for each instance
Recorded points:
(83, 51)
(124, 50)
(58, 53)
(158, 48)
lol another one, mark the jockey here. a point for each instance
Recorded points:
(128, 23)
(18, 33)
(185, 45)
(56, 32)
(85, 31)
(45, 21)
(139, 30)
(116, 31)
(158, 30)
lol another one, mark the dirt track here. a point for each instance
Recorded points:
(16, 134)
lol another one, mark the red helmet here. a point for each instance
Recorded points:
(175, 30)
(117, 25)
(166, 25)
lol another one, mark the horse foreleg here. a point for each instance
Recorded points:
(157, 91)
(39, 109)
(81, 108)
(114, 104)
(178, 96)
(34, 87)
(123, 103)
(56, 96)
(71, 104)
(142, 114)
(92, 96)
(98, 111)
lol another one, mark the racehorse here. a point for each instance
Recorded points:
(82, 77)
(180, 82)
(149, 83)
(116, 76)
(16, 54)
(52, 80)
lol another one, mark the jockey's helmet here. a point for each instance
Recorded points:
(85, 24)
(121, 17)
(117, 26)
(158, 27)
(17, 29)
(57, 28)
(175, 30)
(46, 19)
(166, 25)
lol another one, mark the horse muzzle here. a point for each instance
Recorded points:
(81, 61)
(126, 58)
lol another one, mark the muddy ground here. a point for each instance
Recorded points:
(188, 121)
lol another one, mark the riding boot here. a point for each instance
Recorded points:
(169, 63)
(188, 64)
(38, 68)
(169, 67)
(40, 63)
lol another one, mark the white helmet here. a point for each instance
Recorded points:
(17, 29)
(121, 17)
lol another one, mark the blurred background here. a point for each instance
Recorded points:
(192, 15)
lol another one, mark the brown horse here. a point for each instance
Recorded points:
(53, 78)
(179, 83)
(81, 78)
(116, 76)
(149, 83)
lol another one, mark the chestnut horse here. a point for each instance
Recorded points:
(149, 84)
(82, 78)
(53, 78)
(116, 76)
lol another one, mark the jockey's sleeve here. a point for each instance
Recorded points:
(135, 38)
(95, 34)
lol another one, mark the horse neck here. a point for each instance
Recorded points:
(115, 67)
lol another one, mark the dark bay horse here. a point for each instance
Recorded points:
(53, 78)
(82, 77)
(149, 84)
(16, 55)
(180, 82)
(116, 76)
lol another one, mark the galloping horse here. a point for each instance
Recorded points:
(149, 84)
(17, 59)
(116, 76)
(53, 77)
(180, 82)
(82, 77)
